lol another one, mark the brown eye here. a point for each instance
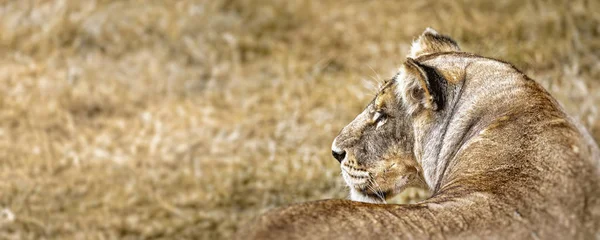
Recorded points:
(378, 116)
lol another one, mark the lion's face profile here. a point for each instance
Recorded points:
(375, 150)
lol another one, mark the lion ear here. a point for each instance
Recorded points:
(417, 88)
(431, 41)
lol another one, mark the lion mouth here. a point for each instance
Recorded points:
(355, 180)
(355, 177)
(363, 184)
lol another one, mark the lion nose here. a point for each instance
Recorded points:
(339, 155)
(337, 152)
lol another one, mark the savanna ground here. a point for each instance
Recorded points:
(184, 119)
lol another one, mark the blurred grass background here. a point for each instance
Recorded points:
(184, 119)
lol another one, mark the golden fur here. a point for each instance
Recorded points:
(500, 156)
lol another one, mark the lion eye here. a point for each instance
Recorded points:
(380, 118)
(377, 116)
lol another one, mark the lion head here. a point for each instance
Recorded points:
(377, 150)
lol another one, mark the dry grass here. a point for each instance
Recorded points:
(183, 119)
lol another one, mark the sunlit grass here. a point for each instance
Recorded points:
(184, 119)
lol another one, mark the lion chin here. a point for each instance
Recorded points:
(361, 196)
(364, 196)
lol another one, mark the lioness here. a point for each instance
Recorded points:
(500, 156)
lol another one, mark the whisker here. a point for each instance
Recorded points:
(370, 86)
(378, 190)
(383, 178)
(373, 190)
(378, 78)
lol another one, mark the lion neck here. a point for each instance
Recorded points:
(464, 115)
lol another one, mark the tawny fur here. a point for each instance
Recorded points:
(502, 159)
